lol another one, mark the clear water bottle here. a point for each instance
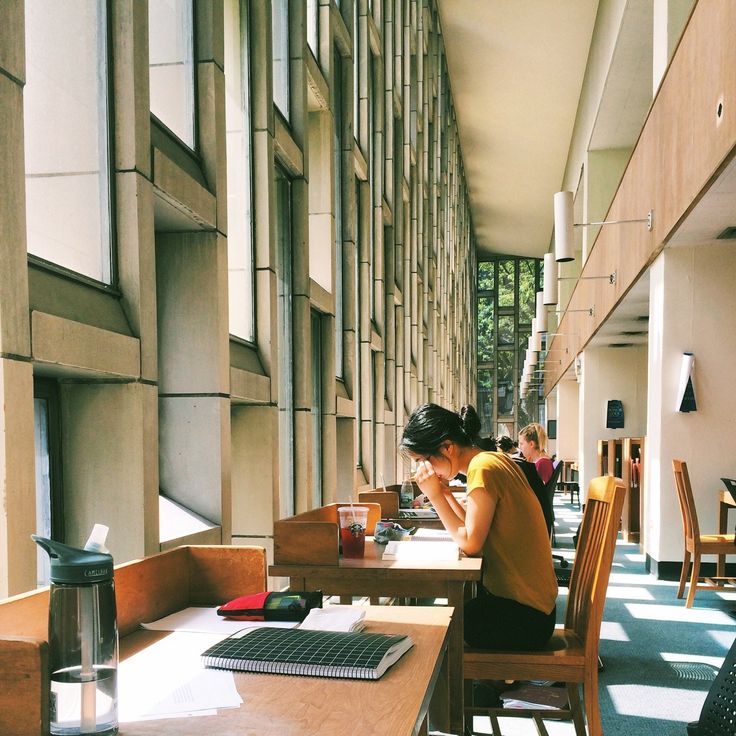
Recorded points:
(406, 494)
(83, 638)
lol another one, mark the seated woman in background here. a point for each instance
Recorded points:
(533, 446)
(503, 521)
(508, 446)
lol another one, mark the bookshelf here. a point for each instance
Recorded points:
(624, 458)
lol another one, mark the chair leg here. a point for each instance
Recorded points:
(592, 708)
(683, 573)
(573, 695)
(693, 580)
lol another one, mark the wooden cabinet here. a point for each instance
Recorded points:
(624, 458)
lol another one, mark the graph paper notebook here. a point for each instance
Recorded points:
(302, 652)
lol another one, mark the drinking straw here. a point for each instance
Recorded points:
(383, 482)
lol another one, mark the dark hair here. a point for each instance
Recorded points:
(506, 444)
(430, 425)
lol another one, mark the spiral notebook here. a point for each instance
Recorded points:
(355, 655)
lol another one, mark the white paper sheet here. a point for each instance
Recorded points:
(334, 618)
(206, 620)
(168, 680)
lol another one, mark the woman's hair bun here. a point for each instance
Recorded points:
(470, 421)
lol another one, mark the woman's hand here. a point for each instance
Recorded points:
(428, 480)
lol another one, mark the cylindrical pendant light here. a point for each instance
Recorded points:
(564, 245)
(541, 313)
(550, 279)
(537, 341)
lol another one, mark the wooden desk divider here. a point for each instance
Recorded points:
(145, 590)
(313, 537)
(388, 501)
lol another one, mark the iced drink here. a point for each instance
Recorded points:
(353, 520)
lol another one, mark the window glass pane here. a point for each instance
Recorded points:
(505, 429)
(313, 26)
(65, 105)
(485, 330)
(356, 72)
(171, 65)
(485, 400)
(527, 291)
(486, 280)
(316, 410)
(43, 484)
(239, 200)
(239, 194)
(286, 345)
(280, 27)
(506, 330)
(337, 112)
(505, 391)
(506, 284)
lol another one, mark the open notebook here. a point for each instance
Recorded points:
(303, 652)
(416, 550)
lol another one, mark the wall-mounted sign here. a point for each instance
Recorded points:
(615, 415)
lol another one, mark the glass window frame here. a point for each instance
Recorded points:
(286, 114)
(111, 285)
(195, 147)
(245, 58)
(338, 112)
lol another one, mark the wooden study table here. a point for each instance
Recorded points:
(282, 705)
(372, 576)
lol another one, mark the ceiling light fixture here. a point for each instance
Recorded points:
(564, 247)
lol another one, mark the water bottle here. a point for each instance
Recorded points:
(83, 637)
(406, 494)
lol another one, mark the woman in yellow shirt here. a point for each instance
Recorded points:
(502, 521)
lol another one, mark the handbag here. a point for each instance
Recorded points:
(271, 606)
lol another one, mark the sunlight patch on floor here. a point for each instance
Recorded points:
(699, 658)
(629, 591)
(646, 701)
(613, 631)
(523, 727)
(723, 637)
(654, 612)
(636, 579)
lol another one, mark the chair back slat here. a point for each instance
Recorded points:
(593, 560)
(687, 502)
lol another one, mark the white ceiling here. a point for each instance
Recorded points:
(516, 69)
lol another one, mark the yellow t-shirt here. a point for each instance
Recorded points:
(517, 558)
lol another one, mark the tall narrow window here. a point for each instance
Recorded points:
(313, 26)
(286, 345)
(338, 119)
(316, 410)
(357, 384)
(239, 182)
(372, 187)
(280, 61)
(356, 73)
(49, 511)
(171, 65)
(66, 127)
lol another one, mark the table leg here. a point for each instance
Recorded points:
(455, 598)
(722, 529)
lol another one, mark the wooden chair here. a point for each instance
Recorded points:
(572, 654)
(697, 544)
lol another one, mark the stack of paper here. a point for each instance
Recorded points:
(334, 618)
(535, 697)
(422, 551)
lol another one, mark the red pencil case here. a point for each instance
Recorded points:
(273, 606)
